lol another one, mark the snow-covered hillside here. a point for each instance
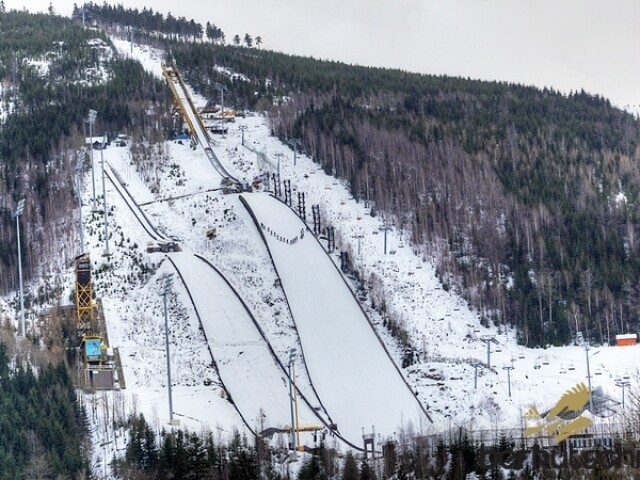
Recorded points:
(180, 194)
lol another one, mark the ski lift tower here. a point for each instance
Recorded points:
(489, 339)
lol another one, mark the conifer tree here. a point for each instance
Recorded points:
(350, 469)
(366, 472)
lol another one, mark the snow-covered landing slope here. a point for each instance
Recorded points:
(355, 378)
(258, 386)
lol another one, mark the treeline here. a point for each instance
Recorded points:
(149, 23)
(183, 454)
(526, 197)
(42, 134)
(41, 424)
(455, 456)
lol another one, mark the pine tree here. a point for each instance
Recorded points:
(311, 469)
(350, 469)
(142, 449)
(366, 472)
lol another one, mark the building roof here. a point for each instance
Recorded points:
(627, 336)
(100, 139)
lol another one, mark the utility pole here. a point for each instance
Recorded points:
(168, 282)
(19, 210)
(508, 369)
(104, 206)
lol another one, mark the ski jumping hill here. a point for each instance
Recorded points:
(353, 374)
(257, 384)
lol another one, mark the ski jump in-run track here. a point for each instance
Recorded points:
(196, 127)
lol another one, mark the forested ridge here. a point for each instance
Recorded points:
(526, 197)
(52, 72)
(42, 132)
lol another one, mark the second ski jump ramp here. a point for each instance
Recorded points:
(352, 373)
(258, 386)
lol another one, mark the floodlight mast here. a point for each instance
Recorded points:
(104, 205)
(292, 433)
(586, 351)
(19, 210)
(167, 283)
(78, 174)
(92, 119)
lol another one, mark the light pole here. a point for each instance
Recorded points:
(292, 433)
(92, 119)
(623, 384)
(586, 351)
(278, 157)
(78, 173)
(19, 210)
(104, 205)
(168, 282)
(220, 88)
(508, 369)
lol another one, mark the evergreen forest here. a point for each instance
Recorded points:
(45, 122)
(525, 197)
(42, 428)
